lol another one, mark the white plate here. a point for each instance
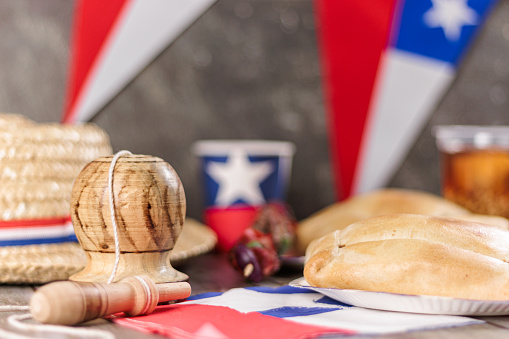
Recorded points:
(410, 303)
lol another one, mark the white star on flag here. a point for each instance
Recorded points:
(207, 330)
(239, 178)
(451, 16)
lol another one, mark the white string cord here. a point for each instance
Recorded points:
(14, 308)
(148, 293)
(112, 212)
(17, 321)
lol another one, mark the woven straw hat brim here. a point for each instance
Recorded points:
(195, 239)
(40, 264)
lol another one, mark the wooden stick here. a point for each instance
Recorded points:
(70, 302)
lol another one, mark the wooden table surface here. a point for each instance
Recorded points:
(212, 272)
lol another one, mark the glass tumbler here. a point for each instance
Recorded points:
(475, 167)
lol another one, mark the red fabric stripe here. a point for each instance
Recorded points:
(352, 37)
(190, 321)
(93, 20)
(34, 222)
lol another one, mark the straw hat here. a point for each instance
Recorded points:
(38, 166)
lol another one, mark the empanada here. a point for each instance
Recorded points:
(410, 266)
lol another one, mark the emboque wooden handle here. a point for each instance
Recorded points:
(70, 303)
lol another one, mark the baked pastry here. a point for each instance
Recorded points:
(410, 266)
(413, 254)
(381, 202)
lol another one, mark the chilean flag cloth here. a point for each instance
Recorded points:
(282, 312)
(239, 176)
(386, 65)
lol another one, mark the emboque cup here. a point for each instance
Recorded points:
(150, 209)
(239, 176)
(475, 167)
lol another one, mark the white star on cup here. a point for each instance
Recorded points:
(239, 178)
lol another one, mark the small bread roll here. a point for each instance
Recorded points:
(410, 266)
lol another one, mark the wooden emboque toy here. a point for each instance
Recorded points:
(149, 208)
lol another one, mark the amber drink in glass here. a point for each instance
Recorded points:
(475, 167)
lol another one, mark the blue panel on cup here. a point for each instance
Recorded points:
(262, 180)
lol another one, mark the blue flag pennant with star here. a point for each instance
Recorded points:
(440, 29)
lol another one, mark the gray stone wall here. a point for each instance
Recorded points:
(245, 69)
